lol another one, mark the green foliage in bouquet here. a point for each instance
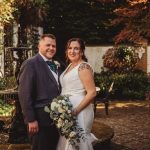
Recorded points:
(60, 110)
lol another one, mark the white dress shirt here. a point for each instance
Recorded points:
(54, 74)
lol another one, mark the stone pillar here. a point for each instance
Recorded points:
(148, 59)
(1, 50)
(15, 34)
(40, 30)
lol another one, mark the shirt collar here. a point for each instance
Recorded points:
(45, 59)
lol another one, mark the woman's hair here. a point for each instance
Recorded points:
(82, 46)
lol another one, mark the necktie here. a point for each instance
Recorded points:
(52, 66)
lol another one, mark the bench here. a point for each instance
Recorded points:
(104, 100)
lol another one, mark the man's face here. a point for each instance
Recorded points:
(47, 47)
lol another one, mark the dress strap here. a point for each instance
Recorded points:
(67, 68)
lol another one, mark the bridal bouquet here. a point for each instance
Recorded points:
(60, 111)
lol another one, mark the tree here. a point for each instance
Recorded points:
(31, 12)
(135, 22)
(89, 20)
(86, 19)
(6, 10)
(29, 15)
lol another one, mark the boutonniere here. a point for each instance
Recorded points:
(57, 64)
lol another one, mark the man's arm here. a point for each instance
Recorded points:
(26, 84)
(26, 97)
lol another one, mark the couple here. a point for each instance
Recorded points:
(40, 82)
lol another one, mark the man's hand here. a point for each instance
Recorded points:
(33, 127)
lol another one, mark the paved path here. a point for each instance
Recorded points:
(131, 123)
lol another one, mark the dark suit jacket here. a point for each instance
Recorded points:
(37, 87)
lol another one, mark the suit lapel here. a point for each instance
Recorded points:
(59, 73)
(47, 70)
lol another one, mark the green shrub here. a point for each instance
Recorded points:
(121, 58)
(5, 108)
(7, 83)
(127, 85)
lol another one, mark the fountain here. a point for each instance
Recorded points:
(14, 56)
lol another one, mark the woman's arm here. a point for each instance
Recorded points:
(86, 76)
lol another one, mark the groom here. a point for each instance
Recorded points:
(38, 85)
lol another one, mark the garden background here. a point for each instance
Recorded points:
(116, 33)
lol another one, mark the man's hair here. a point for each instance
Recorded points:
(47, 35)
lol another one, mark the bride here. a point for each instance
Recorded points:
(77, 81)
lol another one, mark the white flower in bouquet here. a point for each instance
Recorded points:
(53, 105)
(60, 110)
(66, 121)
(69, 111)
(72, 134)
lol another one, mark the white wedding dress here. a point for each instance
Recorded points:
(72, 85)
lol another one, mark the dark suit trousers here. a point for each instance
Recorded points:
(45, 139)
